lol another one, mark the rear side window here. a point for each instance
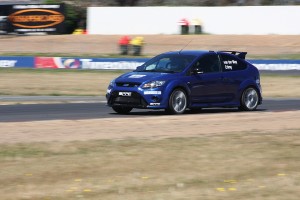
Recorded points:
(232, 63)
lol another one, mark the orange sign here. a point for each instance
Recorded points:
(36, 18)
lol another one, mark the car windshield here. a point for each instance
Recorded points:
(167, 63)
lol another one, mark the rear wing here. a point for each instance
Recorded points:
(240, 54)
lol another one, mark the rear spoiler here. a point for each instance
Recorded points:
(240, 54)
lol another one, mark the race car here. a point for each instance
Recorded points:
(181, 80)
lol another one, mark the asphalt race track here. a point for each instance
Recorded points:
(94, 110)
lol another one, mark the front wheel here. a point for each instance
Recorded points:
(121, 109)
(249, 99)
(177, 102)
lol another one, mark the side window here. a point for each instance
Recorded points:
(232, 63)
(159, 64)
(208, 64)
(151, 67)
(162, 64)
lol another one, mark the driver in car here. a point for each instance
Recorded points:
(176, 64)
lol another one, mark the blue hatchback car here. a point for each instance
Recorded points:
(176, 81)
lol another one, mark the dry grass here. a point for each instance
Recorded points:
(99, 45)
(180, 157)
(280, 86)
(204, 156)
(27, 82)
(94, 83)
(247, 165)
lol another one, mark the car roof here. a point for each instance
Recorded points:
(239, 54)
(188, 52)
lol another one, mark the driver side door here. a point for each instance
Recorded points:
(206, 80)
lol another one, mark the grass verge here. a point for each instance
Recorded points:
(55, 82)
(94, 82)
(244, 165)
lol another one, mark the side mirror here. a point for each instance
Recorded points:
(139, 68)
(197, 70)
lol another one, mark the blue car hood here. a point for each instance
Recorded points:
(140, 77)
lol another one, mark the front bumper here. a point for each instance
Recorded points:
(135, 98)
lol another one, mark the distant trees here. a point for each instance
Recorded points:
(85, 3)
(127, 2)
(75, 14)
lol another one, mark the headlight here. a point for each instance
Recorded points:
(257, 80)
(153, 84)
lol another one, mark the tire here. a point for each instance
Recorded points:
(249, 99)
(177, 102)
(121, 109)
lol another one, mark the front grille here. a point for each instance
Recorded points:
(127, 84)
(127, 100)
(135, 100)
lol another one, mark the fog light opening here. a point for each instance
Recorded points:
(155, 99)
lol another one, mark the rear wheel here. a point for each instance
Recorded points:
(249, 99)
(121, 109)
(177, 102)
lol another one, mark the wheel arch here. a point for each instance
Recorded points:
(178, 85)
(247, 84)
(246, 102)
(177, 101)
